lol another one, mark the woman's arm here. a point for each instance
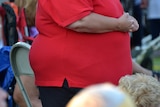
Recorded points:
(96, 23)
(139, 69)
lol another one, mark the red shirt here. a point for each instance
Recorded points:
(82, 58)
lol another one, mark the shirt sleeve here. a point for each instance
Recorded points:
(65, 12)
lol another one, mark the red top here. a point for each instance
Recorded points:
(82, 58)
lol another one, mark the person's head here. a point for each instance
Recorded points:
(101, 95)
(30, 10)
(144, 89)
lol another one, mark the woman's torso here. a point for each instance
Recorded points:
(82, 58)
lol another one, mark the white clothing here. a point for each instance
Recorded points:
(153, 9)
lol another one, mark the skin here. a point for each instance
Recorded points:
(3, 97)
(139, 69)
(32, 92)
(103, 24)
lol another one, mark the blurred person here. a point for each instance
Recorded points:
(3, 98)
(101, 95)
(143, 89)
(153, 17)
(138, 6)
(80, 43)
(29, 7)
(28, 81)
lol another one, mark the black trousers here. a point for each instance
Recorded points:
(57, 96)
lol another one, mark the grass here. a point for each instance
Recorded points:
(156, 63)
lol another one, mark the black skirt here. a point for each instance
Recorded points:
(57, 96)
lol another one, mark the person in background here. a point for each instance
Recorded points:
(153, 17)
(29, 7)
(3, 98)
(80, 43)
(143, 89)
(28, 81)
(138, 6)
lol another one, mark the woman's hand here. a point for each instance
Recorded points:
(127, 23)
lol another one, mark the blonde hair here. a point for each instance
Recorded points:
(144, 89)
(30, 10)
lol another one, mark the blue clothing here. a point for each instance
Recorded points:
(6, 73)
